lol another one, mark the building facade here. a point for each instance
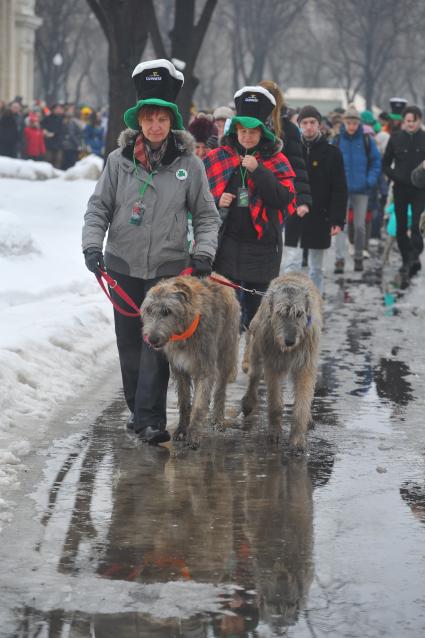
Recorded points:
(18, 24)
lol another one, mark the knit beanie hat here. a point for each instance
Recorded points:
(309, 111)
(222, 113)
(351, 113)
(202, 128)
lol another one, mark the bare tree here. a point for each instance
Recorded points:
(186, 38)
(256, 28)
(363, 40)
(126, 25)
(57, 44)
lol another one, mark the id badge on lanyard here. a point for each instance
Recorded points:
(138, 208)
(242, 199)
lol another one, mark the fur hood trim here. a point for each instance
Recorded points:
(184, 141)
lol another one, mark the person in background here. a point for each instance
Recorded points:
(405, 151)
(34, 144)
(53, 130)
(205, 133)
(362, 164)
(220, 115)
(252, 184)
(328, 186)
(94, 135)
(141, 202)
(289, 133)
(9, 131)
(72, 138)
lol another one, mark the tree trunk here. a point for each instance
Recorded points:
(126, 46)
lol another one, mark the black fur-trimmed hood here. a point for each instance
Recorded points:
(184, 142)
(267, 149)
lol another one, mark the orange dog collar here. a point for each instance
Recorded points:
(189, 332)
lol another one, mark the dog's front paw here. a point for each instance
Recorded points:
(297, 443)
(179, 434)
(193, 439)
(248, 404)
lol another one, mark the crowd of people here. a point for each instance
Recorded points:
(60, 134)
(261, 185)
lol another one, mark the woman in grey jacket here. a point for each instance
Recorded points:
(142, 200)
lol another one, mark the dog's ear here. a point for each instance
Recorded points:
(270, 299)
(183, 291)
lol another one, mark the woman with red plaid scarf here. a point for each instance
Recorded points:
(252, 184)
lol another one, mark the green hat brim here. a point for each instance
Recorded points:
(395, 116)
(131, 119)
(250, 122)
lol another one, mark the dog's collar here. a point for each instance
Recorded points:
(189, 332)
(309, 321)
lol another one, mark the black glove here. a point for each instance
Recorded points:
(94, 260)
(201, 266)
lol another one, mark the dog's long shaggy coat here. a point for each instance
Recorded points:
(284, 339)
(209, 357)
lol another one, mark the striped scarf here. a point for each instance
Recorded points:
(220, 164)
(149, 158)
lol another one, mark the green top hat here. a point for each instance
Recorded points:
(254, 105)
(157, 83)
(131, 115)
(250, 122)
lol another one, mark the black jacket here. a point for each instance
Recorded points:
(9, 134)
(240, 254)
(54, 124)
(407, 151)
(328, 185)
(292, 148)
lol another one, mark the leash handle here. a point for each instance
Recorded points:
(230, 284)
(113, 284)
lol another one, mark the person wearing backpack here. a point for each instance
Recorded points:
(362, 165)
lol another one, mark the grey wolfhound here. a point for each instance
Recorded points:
(196, 323)
(284, 339)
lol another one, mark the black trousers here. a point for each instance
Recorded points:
(410, 248)
(145, 372)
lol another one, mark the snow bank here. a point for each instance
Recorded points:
(27, 169)
(56, 325)
(89, 167)
(14, 237)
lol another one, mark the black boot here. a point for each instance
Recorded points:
(414, 268)
(153, 435)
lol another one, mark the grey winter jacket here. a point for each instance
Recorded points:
(158, 246)
(418, 176)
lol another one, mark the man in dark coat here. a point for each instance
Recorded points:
(9, 134)
(405, 151)
(328, 187)
(54, 130)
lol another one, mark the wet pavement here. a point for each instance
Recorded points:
(113, 538)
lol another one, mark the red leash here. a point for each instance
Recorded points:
(113, 284)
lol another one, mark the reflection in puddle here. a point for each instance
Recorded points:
(389, 376)
(237, 515)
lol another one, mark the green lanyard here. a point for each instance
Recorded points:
(143, 184)
(243, 175)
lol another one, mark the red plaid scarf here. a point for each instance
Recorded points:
(220, 164)
(140, 153)
(147, 156)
